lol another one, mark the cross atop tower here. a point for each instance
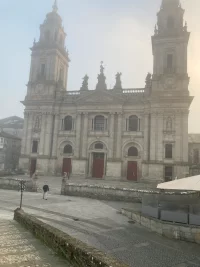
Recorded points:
(55, 6)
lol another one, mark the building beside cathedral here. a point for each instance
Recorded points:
(113, 133)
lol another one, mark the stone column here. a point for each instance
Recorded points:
(111, 140)
(25, 129)
(55, 135)
(29, 134)
(78, 134)
(48, 133)
(119, 136)
(85, 135)
(42, 135)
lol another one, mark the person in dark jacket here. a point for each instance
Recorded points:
(45, 191)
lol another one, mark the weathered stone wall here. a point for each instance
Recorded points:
(75, 251)
(171, 230)
(114, 193)
(13, 184)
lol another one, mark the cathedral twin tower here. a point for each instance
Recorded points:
(135, 134)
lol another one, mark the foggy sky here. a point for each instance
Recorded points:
(115, 31)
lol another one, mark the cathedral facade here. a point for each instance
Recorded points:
(123, 134)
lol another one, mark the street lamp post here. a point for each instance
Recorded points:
(22, 186)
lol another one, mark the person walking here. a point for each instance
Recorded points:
(45, 191)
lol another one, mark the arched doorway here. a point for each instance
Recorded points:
(67, 162)
(98, 160)
(132, 166)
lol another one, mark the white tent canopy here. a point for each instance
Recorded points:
(189, 184)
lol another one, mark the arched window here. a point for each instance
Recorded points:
(98, 146)
(56, 36)
(47, 35)
(133, 152)
(61, 41)
(170, 22)
(68, 123)
(133, 124)
(67, 149)
(99, 123)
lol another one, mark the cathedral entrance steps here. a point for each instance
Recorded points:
(18, 248)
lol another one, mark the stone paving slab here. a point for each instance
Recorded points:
(18, 248)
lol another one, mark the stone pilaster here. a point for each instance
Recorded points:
(111, 140)
(48, 133)
(185, 136)
(42, 135)
(25, 129)
(78, 134)
(85, 135)
(146, 136)
(119, 136)
(153, 137)
(29, 134)
(55, 135)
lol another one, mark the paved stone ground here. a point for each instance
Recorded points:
(99, 224)
(18, 248)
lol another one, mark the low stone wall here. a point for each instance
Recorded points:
(171, 230)
(73, 250)
(103, 192)
(13, 184)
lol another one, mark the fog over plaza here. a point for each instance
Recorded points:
(115, 31)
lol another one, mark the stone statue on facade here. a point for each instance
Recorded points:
(84, 86)
(148, 79)
(101, 85)
(118, 84)
(37, 125)
(169, 124)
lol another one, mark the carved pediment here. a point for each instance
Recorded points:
(98, 97)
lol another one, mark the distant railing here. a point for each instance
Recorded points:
(133, 91)
(73, 92)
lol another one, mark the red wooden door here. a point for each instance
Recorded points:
(132, 171)
(33, 166)
(67, 167)
(98, 165)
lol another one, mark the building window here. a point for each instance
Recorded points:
(133, 152)
(196, 156)
(168, 151)
(170, 22)
(68, 149)
(43, 70)
(35, 147)
(168, 173)
(68, 123)
(1, 140)
(100, 123)
(98, 146)
(133, 124)
(169, 61)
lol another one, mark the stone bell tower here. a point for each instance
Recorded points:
(50, 61)
(170, 98)
(48, 78)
